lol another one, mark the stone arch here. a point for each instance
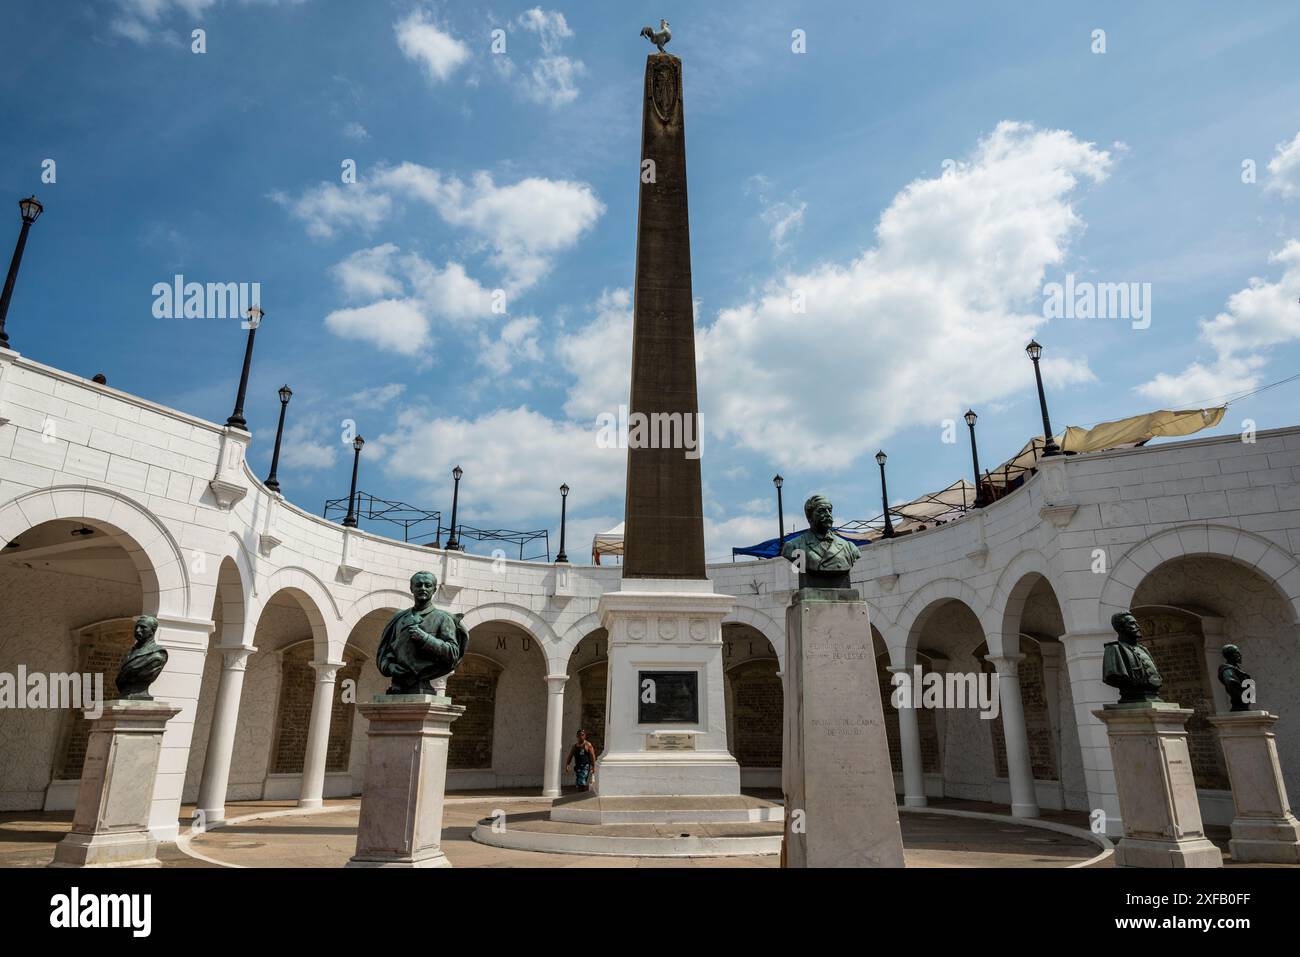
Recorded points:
(911, 620)
(569, 641)
(1014, 585)
(314, 599)
(1208, 541)
(164, 574)
(525, 618)
(764, 624)
(372, 602)
(586, 692)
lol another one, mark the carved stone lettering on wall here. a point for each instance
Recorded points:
(924, 719)
(102, 646)
(1178, 647)
(591, 683)
(297, 691)
(474, 685)
(1038, 727)
(758, 700)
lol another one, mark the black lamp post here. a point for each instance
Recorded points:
(453, 544)
(272, 482)
(236, 419)
(884, 494)
(564, 497)
(980, 499)
(351, 520)
(1049, 443)
(31, 210)
(780, 511)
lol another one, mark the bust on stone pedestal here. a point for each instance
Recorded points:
(143, 663)
(422, 643)
(1236, 680)
(824, 558)
(1128, 666)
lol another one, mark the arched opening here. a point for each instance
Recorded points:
(755, 703)
(1189, 608)
(948, 634)
(500, 740)
(586, 692)
(72, 590)
(276, 704)
(1033, 614)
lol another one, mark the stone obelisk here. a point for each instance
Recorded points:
(666, 730)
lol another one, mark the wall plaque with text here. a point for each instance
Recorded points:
(670, 742)
(668, 697)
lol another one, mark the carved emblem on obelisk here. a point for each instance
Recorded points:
(663, 87)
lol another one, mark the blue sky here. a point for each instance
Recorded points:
(820, 174)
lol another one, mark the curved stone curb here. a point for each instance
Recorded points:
(591, 845)
(1101, 840)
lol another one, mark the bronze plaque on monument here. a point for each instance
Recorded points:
(668, 697)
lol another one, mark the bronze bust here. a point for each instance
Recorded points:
(143, 663)
(1127, 665)
(422, 643)
(1235, 679)
(826, 557)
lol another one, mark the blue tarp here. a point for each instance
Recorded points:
(770, 548)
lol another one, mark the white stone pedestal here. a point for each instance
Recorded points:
(675, 626)
(840, 808)
(111, 825)
(405, 782)
(1264, 830)
(1157, 795)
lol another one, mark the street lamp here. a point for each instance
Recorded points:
(31, 210)
(236, 419)
(351, 520)
(453, 544)
(272, 482)
(780, 511)
(980, 499)
(564, 497)
(1049, 443)
(884, 494)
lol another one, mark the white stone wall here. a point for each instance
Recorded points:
(177, 493)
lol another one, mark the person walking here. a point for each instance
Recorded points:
(583, 758)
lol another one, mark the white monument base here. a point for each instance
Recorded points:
(1157, 795)
(1264, 831)
(405, 782)
(840, 809)
(663, 738)
(110, 827)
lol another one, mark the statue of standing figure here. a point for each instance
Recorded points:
(1235, 679)
(422, 643)
(1127, 665)
(143, 663)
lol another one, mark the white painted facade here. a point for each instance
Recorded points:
(1210, 527)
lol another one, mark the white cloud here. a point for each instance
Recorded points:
(301, 451)
(599, 358)
(783, 219)
(368, 273)
(1263, 314)
(516, 343)
(143, 20)
(1284, 169)
(376, 397)
(398, 325)
(887, 340)
(552, 78)
(327, 207)
(420, 39)
(514, 461)
(355, 131)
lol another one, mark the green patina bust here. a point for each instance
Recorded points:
(824, 557)
(1235, 679)
(422, 643)
(1128, 666)
(143, 663)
